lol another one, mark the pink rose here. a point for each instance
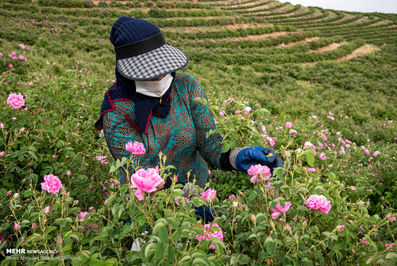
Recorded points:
(21, 46)
(279, 209)
(102, 159)
(271, 141)
(322, 156)
(309, 145)
(287, 205)
(316, 202)
(376, 153)
(136, 148)
(16, 100)
(46, 210)
(259, 173)
(211, 231)
(16, 226)
(288, 125)
(82, 216)
(51, 184)
(146, 181)
(341, 227)
(209, 194)
(293, 131)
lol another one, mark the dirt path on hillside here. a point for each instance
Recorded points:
(258, 37)
(216, 28)
(246, 26)
(264, 6)
(362, 51)
(280, 9)
(312, 39)
(382, 22)
(247, 4)
(328, 48)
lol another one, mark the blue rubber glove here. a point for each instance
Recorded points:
(254, 155)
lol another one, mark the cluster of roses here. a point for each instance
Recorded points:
(315, 202)
(207, 234)
(14, 56)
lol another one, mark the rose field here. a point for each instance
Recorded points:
(318, 86)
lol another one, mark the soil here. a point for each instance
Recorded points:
(264, 6)
(362, 51)
(259, 37)
(328, 48)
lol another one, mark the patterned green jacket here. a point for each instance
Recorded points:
(181, 136)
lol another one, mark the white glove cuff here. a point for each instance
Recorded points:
(233, 156)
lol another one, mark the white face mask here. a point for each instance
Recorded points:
(154, 88)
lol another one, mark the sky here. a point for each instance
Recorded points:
(384, 6)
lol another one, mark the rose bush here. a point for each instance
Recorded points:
(95, 219)
(271, 221)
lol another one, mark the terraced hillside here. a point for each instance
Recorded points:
(242, 35)
(330, 74)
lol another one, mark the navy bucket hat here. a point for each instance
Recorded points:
(141, 51)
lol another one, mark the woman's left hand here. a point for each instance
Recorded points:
(255, 155)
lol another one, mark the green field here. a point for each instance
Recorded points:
(296, 62)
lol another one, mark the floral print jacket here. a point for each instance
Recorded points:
(180, 136)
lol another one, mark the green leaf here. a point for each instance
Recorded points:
(170, 253)
(167, 213)
(149, 249)
(131, 257)
(270, 246)
(391, 256)
(123, 189)
(70, 234)
(50, 229)
(184, 259)
(226, 147)
(96, 262)
(243, 259)
(111, 261)
(159, 251)
(309, 159)
(161, 230)
(200, 261)
(33, 238)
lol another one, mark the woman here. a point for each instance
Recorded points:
(152, 104)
